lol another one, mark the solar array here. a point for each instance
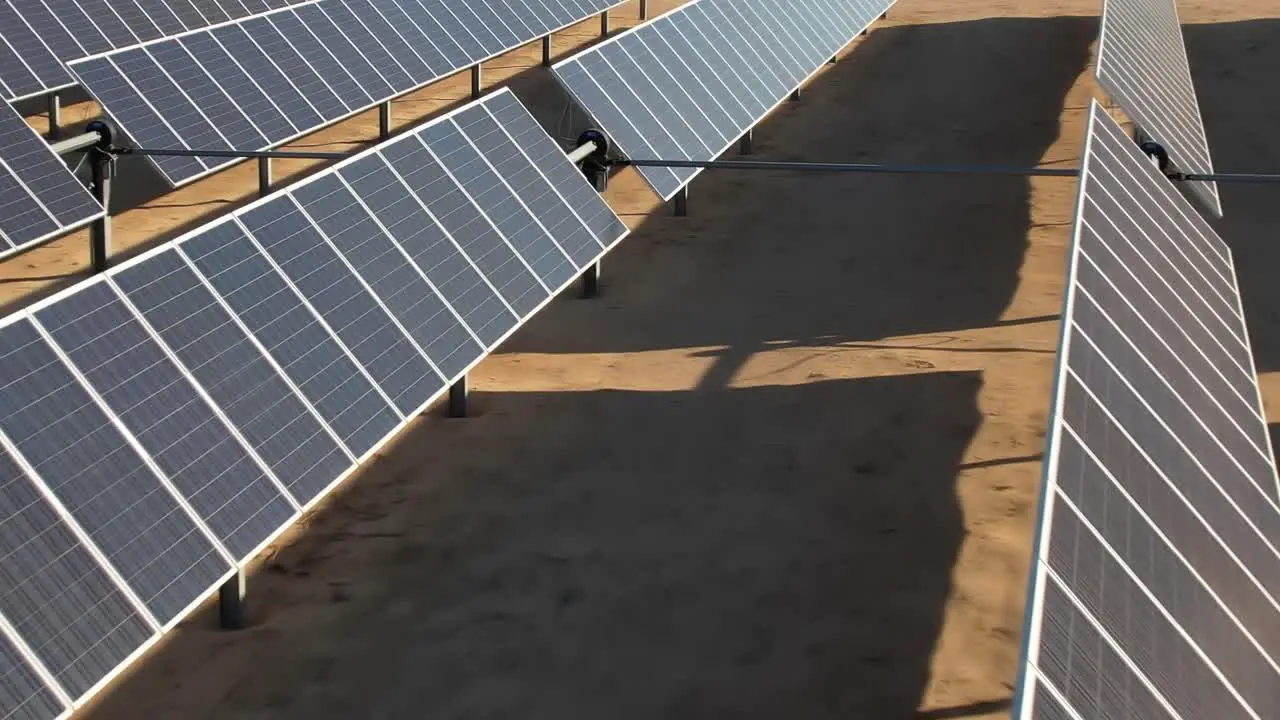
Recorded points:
(38, 36)
(258, 83)
(1156, 583)
(39, 197)
(1142, 64)
(162, 422)
(688, 84)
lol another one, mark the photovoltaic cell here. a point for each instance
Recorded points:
(319, 273)
(247, 388)
(1156, 579)
(39, 197)
(105, 485)
(22, 692)
(738, 59)
(38, 36)
(192, 399)
(314, 64)
(161, 408)
(1142, 64)
(292, 334)
(386, 269)
(56, 596)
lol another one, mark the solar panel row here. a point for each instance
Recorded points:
(1156, 586)
(689, 83)
(38, 36)
(1142, 64)
(39, 197)
(160, 423)
(255, 84)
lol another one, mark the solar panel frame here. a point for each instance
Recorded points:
(668, 182)
(1213, 571)
(183, 173)
(1135, 84)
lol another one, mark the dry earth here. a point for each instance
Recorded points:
(786, 465)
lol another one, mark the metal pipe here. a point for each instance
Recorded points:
(264, 177)
(644, 9)
(101, 166)
(1225, 177)
(853, 167)
(580, 153)
(604, 24)
(73, 144)
(281, 154)
(476, 81)
(546, 51)
(384, 120)
(55, 116)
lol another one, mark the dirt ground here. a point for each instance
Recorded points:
(785, 466)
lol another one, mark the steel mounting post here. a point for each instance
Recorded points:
(264, 176)
(458, 398)
(604, 24)
(644, 9)
(231, 614)
(476, 77)
(546, 51)
(384, 120)
(747, 144)
(101, 168)
(591, 280)
(682, 202)
(54, 101)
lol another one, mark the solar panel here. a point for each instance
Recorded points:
(1142, 64)
(259, 83)
(687, 84)
(39, 197)
(38, 36)
(1155, 580)
(161, 422)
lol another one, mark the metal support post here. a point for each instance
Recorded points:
(591, 280)
(384, 120)
(795, 95)
(231, 615)
(833, 59)
(644, 9)
(475, 81)
(458, 398)
(546, 51)
(884, 15)
(55, 116)
(682, 202)
(747, 144)
(101, 167)
(597, 175)
(604, 24)
(264, 176)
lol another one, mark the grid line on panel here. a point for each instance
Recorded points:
(137, 447)
(393, 48)
(185, 408)
(1160, 452)
(748, 56)
(483, 215)
(1097, 627)
(448, 306)
(1208, 288)
(330, 407)
(1210, 585)
(346, 262)
(1142, 63)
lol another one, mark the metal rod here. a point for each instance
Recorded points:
(591, 280)
(264, 176)
(475, 81)
(604, 24)
(458, 398)
(644, 9)
(582, 152)
(853, 167)
(384, 120)
(281, 154)
(1225, 177)
(55, 116)
(73, 144)
(795, 95)
(546, 51)
(100, 167)
(747, 145)
(682, 202)
(231, 615)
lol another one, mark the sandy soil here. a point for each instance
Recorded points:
(786, 465)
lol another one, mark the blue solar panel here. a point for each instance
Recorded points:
(686, 85)
(169, 418)
(313, 64)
